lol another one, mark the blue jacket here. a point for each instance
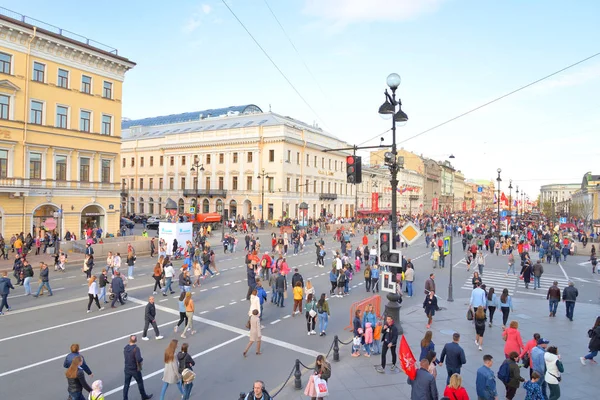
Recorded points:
(69, 360)
(117, 285)
(133, 357)
(375, 273)
(369, 317)
(332, 276)
(478, 298)
(538, 362)
(5, 286)
(486, 383)
(423, 387)
(426, 350)
(262, 295)
(508, 302)
(455, 354)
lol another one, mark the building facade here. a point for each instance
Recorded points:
(558, 192)
(238, 161)
(585, 202)
(433, 185)
(60, 108)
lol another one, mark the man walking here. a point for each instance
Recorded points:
(118, 288)
(5, 286)
(430, 284)
(251, 276)
(150, 318)
(133, 368)
(538, 270)
(423, 387)
(486, 381)
(456, 357)
(478, 297)
(538, 363)
(389, 339)
(44, 276)
(27, 276)
(553, 298)
(569, 296)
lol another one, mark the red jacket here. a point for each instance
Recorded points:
(266, 257)
(456, 394)
(365, 240)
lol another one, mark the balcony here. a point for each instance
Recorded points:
(205, 193)
(24, 185)
(327, 196)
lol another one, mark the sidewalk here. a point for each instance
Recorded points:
(356, 378)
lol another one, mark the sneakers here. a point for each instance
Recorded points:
(480, 349)
(380, 370)
(582, 359)
(101, 308)
(313, 332)
(145, 338)
(89, 311)
(183, 336)
(309, 333)
(476, 342)
(393, 367)
(130, 277)
(159, 337)
(154, 293)
(175, 329)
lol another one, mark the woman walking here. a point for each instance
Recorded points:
(554, 368)
(171, 373)
(109, 263)
(309, 289)
(323, 371)
(130, 264)
(492, 303)
(476, 279)
(183, 319)
(323, 311)
(255, 333)
(430, 305)
(76, 380)
(333, 280)
(479, 320)
(480, 262)
(197, 273)
(455, 389)
(186, 362)
(511, 264)
(189, 312)
(93, 294)
(512, 337)
(594, 345)
(157, 275)
(505, 306)
(514, 374)
(88, 265)
(213, 263)
(311, 314)
(427, 345)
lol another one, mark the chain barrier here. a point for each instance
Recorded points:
(286, 381)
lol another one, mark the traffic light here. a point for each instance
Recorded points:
(353, 169)
(387, 254)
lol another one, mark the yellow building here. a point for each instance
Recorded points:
(60, 113)
(246, 163)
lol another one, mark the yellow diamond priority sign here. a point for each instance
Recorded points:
(410, 232)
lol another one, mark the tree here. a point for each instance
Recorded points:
(548, 210)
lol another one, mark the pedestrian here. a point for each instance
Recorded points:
(102, 282)
(505, 306)
(298, 296)
(71, 356)
(96, 393)
(478, 297)
(423, 386)
(130, 263)
(430, 284)
(45, 280)
(492, 304)
(255, 333)
(479, 320)
(533, 390)
(511, 264)
(480, 261)
(93, 294)
(594, 344)
(118, 288)
(150, 319)
(254, 303)
(409, 277)
(185, 282)
(76, 382)
(430, 305)
(375, 279)
(388, 341)
(569, 297)
(435, 256)
(185, 369)
(117, 261)
(152, 247)
(258, 391)
(182, 314)
(486, 381)
(168, 272)
(281, 288)
(455, 390)
(133, 368)
(157, 275)
(476, 279)
(88, 265)
(27, 276)
(251, 276)
(171, 373)
(456, 357)
(512, 339)
(323, 371)
(526, 270)
(189, 312)
(427, 345)
(5, 286)
(539, 364)
(324, 314)
(525, 355)
(358, 332)
(311, 314)
(553, 297)
(309, 289)
(538, 270)
(554, 368)
(513, 379)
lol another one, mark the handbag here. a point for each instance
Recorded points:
(138, 364)
(248, 324)
(321, 387)
(312, 313)
(469, 314)
(285, 294)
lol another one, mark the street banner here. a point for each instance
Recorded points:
(375, 202)
(407, 359)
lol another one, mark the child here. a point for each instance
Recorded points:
(357, 263)
(377, 338)
(368, 338)
(356, 343)
(532, 389)
(197, 273)
(96, 393)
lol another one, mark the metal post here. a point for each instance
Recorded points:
(297, 375)
(223, 224)
(450, 298)
(394, 180)
(392, 309)
(336, 348)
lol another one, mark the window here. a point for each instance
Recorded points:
(35, 166)
(107, 90)
(131, 184)
(208, 182)
(271, 155)
(3, 163)
(61, 168)
(249, 181)
(298, 158)
(249, 156)
(308, 160)
(235, 158)
(105, 171)
(150, 183)
(141, 161)
(221, 158)
(315, 162)
(182, 182)
(288, 184)
(85, 120)
(84, 169)
(335, 165)
(322, 162)
(208, 159)
(297, 185)
(36, 113)
(171, 161)
(160, 183)
(221, 183)
(330, 164)
(151, 161)
(86, 84)
(4, 106)
(315, 186)
(39, 72)
(306, 186)
(106, 124)
(132, 161)
(182, 160)
(63, 78)
(5, 61)
(234, 183)
(161, 161)
(171, 183)
(289, 156)
(141, 183)
(271, 184)
(62, 117)
(124, 162)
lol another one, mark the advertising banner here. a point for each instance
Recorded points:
(375, 202)
(169, 231)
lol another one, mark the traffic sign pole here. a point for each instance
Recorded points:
(450, 298)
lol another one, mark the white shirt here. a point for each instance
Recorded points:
(116, 261)
(93, 288)
(338, 264)
(169, 271)
(254, 305)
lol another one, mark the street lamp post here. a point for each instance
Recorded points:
(262, 176)
(498, 201)
(517, 218)
(196, 167)
(509, 201)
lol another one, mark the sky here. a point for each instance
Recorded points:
(452, 55)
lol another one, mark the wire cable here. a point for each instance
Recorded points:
(273, 62)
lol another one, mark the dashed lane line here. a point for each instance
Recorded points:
(276, 321)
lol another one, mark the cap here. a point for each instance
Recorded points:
(542, 341)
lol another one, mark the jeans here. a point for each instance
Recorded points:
(554, 391)
(375, 284)
(273, 294)
(323, 319)
(47, 285)
(505, 313)
(279, 297)
(511, 267)
(570, 305)
(168, 287)
(206, 267)
(103, 294)
(4, 302)
(409, 287)
(154, 326)
(130, 271)
(27, 285)
(384, 350)
(368, 348)
(76, 396)
(137, 375)
(536, 282)
(165, 385)
(368, 284)
(376, 346)
(187, 391)
(553, 305)
(480, 267)
(451, 371)
(591, 355)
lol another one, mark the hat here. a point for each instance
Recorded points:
(542, 341)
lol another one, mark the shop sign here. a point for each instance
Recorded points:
(328, 173)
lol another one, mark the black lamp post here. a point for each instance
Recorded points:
(196, 167)
(262, 176)
(517, 202)
(509, 201)
(498, 179)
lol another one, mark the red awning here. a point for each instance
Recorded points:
(371, 212)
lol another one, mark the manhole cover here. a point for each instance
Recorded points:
(448, 332)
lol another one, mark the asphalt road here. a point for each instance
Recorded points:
(37, 334)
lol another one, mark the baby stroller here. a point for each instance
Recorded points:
(179, 253)
(111, 295)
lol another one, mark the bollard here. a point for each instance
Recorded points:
(336, 349)
(392, 309)
(297, 376)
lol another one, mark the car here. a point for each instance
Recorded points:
(129, 224)
(153, 222)
(153, 219)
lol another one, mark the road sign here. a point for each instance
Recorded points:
(192, 210)
(563, 220)
(260, 206)
(410, 232)
(446, 245)
(50, 223)
(503, 213)
(479, 189)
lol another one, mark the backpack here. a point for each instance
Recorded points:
(322, 253)
(187, 375)
(367, 273)
(319, 309)
(504, 372)
(263, 262)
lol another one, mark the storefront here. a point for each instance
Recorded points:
(92, 217)
(43, 213)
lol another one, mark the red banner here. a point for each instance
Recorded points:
(375, 202)
(435, 203)
(464, 206)
(407, 359)
(472, 204)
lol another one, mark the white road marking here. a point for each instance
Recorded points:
(532, 294)
(203, 290)
(227, 284)
(71, 277)
(57, 279)
(160, 371)
(141, 274)
(224, 269)
(232, 303)
(237, 282)
(276, 321)
(563, 271)
(203, 312)
(219, 307)
(163, 300)
(23, 295)
(215, 287)
(287, 316)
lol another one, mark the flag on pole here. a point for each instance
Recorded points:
(504, 199)
(408, 361)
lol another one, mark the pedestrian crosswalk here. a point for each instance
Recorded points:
(499, 281)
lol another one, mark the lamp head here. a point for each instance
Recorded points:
(393, 81)
(400, 117)
(451, 156)
(387, 107)
(499, 170)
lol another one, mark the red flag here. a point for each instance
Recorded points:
(408, 361)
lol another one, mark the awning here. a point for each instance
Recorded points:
(378, 212)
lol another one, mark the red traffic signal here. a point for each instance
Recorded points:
(353, 169)
(350, 160)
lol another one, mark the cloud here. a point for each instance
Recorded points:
(571, 78)
(344, 12)
(196, 18)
